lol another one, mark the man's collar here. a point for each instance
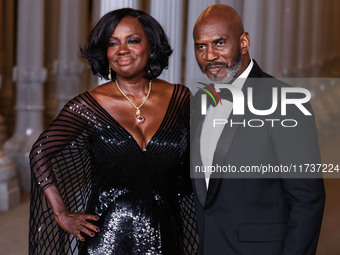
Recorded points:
(239, 81)
(246, 72)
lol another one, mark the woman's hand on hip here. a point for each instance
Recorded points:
(77, 222)
(72, 222)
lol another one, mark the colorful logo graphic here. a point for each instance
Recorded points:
(209, 93)
(239, 100)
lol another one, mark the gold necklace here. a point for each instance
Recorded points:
(139, 118)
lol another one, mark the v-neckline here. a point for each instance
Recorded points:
(125, 130)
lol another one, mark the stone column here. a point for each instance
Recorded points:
(336, 26)
(288, 40)
(336, 41)
(72, 33)
(100, 8)
(51, 55)
(323, 36)
(328, 33)
(170, 15)
(29, 76)
(1, 41)
(335, 5)
(331, 41)
(8, 44)
(9, 184)
(253, 21)
(304, 26)
(272, 32)
(316, 51)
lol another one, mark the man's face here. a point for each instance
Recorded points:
(217, 50)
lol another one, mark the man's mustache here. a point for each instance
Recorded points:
(219, 64)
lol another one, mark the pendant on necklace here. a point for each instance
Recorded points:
(139, 118)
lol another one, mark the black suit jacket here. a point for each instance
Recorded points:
(259, 216)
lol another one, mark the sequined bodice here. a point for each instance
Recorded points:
(137, 194)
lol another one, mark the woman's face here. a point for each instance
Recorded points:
(129, 49)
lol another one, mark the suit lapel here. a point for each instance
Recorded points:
(220, 156)
(223, 144)
(256, 72)
(199, 177)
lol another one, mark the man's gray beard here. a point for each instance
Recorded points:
(231, 73)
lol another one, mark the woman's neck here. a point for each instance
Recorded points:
(133, 86)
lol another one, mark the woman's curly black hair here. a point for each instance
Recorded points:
(95, 49)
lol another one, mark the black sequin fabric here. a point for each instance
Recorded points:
(143, 197)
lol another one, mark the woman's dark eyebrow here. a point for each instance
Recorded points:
(127, 36)
(133, 34)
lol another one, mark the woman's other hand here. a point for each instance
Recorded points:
(72, 222)
(77, 223)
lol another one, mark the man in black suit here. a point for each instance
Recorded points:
(255, 216)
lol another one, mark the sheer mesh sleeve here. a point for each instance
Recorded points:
(188, 215)
(190, 234)
(61, 157)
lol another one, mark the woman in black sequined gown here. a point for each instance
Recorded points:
(112, 168)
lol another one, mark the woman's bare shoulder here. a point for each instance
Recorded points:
(102, 91)
(168, 87)
(102, 88)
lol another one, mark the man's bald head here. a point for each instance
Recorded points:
(223, 13)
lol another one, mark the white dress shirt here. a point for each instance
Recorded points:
(210, 134)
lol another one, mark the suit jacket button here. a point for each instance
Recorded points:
(208, 212)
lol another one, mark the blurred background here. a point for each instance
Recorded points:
(40, 70)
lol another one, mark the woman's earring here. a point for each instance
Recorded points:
(148, 69)
(110, 76)
(149, 66)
